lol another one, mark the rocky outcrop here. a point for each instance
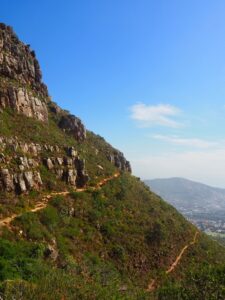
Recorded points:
(18, 62)
(21, 173)
(51, 250)
(117, 158)
(22, 101)
(21, 86)
(73, 125)
(6, 180)
(22, 89)
(69, 169)
(19, 182)
(82, 176)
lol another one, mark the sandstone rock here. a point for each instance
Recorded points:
(59, 173)
(32, 163)
(24, 147)
(55, 108)
(72, 152)
(82, 176)
(28, 177)
(70, 176)
(7, 180)
(20, 183)
(18, 63)
(59, 160)
(37, 179)
(49, 164)
(118, 159)
(73, 126)
(51, 251)
(56, 148)
(68, 161)
(21, 168)
(23, 162)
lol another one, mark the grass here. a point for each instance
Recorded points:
(110, 240)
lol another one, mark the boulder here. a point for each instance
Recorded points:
(49, 164)
(28, 177)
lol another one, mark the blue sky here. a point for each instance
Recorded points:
(147, 75)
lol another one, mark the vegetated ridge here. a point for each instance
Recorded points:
(64, 237)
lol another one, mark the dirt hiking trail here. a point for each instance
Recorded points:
(153, 283)
(44, 202)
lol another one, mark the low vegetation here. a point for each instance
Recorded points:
(106, 244)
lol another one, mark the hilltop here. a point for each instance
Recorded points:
(75, 223)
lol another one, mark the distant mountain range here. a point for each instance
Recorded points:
(187, 195)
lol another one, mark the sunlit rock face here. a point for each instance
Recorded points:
(21, 86)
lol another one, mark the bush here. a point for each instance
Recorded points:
(118, 252)
(49, 217)
(31, 226)
(155, 235)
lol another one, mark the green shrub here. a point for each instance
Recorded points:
(49, 217)
(118, 252)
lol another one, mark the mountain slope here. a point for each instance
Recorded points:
(80, 225)
(189, 195)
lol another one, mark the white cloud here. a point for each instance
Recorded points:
(151, 115)
(190, 142)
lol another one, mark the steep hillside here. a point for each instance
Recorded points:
(74, 222)
(185, 194)
(201, 204)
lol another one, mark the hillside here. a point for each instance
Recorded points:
(74, 222)
(201, 204)
(187, 195)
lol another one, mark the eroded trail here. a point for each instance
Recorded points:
(153, 283)
(44, 202)
(174, 264)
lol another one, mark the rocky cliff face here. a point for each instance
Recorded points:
(20, 168)
(117, 158)
(21, 86)
(73, 125)
(23, 165)
(21, 80)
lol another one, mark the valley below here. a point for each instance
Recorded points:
(202, 205)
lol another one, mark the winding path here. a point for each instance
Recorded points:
(44, 202)
(174, 264)
(153, 283)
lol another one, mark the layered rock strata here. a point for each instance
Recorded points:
(22, 89)
(20, 168)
